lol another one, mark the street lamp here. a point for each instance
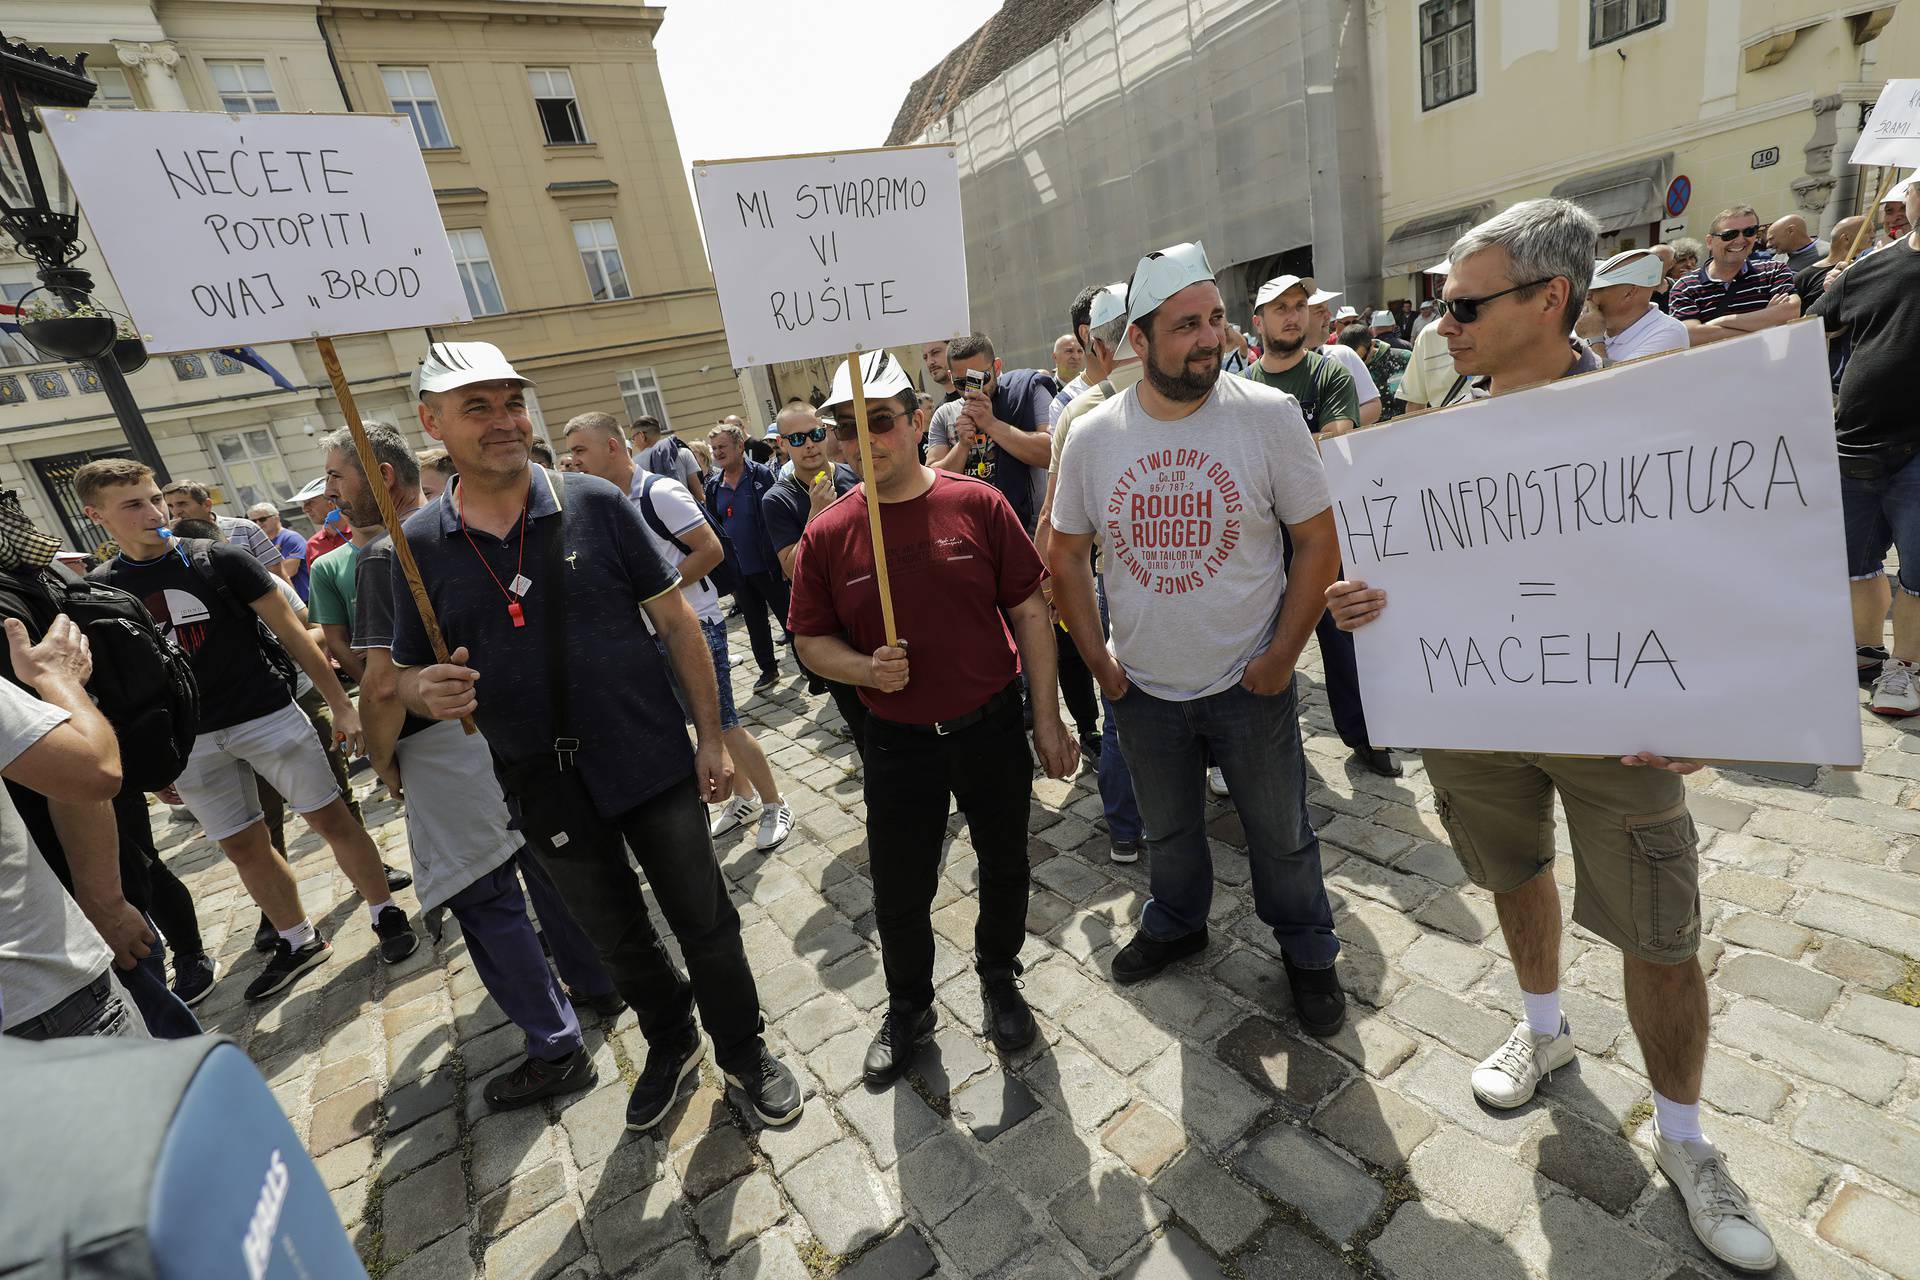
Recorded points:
(37, 208)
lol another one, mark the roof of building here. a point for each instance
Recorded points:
(1021, 28)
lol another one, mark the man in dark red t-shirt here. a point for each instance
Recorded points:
(957, 557)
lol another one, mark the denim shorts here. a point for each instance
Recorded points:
(1882, 511)
(716, 634)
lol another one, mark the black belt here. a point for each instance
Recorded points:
(1010, 694)
(36, 1027)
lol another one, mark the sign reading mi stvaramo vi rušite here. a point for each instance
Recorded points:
(823, 255)
(1648, 558)
(223, 230)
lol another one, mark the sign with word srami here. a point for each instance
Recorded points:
(1648, 558)
(827, 254)
(1891, 135)
(224, 230)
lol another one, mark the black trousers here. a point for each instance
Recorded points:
(911, 775)
(1076, 686)
(168, 902)
(758, 593)
(853, 711)
(1341, 668)
(668, 835)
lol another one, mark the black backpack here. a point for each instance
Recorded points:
(724, 577)
(142, 680)
(200, 557)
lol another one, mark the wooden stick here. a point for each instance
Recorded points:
(873, 498)
(370, 468)
(1861, 236)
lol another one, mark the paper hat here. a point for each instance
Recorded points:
(1346, 313)
(880, 377)
(1898, 191)
(461, 364)
(1634, 266)
(1279, 285)
(1108, 305)
(317, 489)
(1321, 297)
(1439, 268)
(1382, 320)
(1163, 273)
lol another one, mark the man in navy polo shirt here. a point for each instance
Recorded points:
(733, 496)
(590, 742)
(1733, 292)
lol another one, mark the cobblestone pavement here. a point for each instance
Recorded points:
(1180, 1127)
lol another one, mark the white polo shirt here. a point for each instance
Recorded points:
(1652, 334)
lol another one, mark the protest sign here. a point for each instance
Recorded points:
(226, 230)
(825, 254)
(1649, 558)
(1891, 134)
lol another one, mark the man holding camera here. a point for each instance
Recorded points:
(997, 431)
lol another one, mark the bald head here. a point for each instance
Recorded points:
(1788, 234)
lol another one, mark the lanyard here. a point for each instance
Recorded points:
(520, 584)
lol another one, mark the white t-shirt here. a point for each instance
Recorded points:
(676, 509)
(1652, 334)
(1350, 360)
(1191, 515)
(48, 949)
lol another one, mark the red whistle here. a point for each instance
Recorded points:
(515, 612)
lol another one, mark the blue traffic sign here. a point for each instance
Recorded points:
(1679, 191)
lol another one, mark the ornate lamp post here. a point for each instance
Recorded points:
(37, 207)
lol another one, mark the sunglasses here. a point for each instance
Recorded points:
(879, 423)
(798, 438)
(1467, 310)
(1734, 233)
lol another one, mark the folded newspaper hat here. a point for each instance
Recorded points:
(1382, 320)
(1439, 268)
(1346, 313)
(1279, 285)
(1108, 305)
(1634, 266)
(461, 364)
(880, 377)
(1163, 273)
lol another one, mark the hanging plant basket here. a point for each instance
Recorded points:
(130, 354)
(66, 325)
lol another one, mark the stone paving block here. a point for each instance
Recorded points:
(1145, 1138)
(1116, 1033)
(1375, 928)
(838, 1063)
(989, 1105)
(1720, 812)
(538, 1248)
(1862, 921)
(1368, 978)
(422, 1207)
(771, 1257)
(1288, 1253)
(1892, 1024)
(789, 1145)
(1571, 1239)
(1441, 1079)
(1795, 988)
(1464, 917)
(986, 1232)
(638, 1227)
(520, 1199)
(1863, 1136)
(939, 1176)
(1221, 1212)
(1765, 933)
(1445, 962)
(1185, 1004)
(839, 1193)
(1596, 1163)
(428, 1140)
(717, 1158)
(953, 1058)
(349, 1114)
(1106, 1215)
(1485, 1185)
(330, 1080)
(1861, 965)
(1256, 977)
(450, 1258)
(1279, 1061)
(345, 1164)
(1174, 1256)
(1213, 1103)
(893, 1120)
(1765, 894)
(738, 1212)
(1602, 1094)
(1374, 1123)
(1458, 1024)
(902, 1256)
(1296, 1168)
(485, 1052)
(816, 1022)
(1078, 1083)
(509, 1143)
(1070, 877)
(1042, 1155)
(416, 1100)
(1423, 1242)
(694, 1115)
(1055, 987)
(1371, 1044)
(1831, 1057)
(1876, 1229)
(596, 1124)
(350, 1202)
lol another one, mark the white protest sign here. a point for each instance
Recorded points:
(224, 230)
(828, 254)
(1649, 558)
(1891, 134)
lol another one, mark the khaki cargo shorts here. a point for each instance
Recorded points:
(1636, 857)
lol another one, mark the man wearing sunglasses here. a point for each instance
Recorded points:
(944, 724)
(1733, 292)
(1517, 285)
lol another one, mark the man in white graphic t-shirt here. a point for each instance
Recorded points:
(1190, 480)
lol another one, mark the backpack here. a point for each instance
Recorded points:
(142, 680)
(200, 558)
(724, 577)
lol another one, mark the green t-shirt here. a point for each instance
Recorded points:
(330, 587)
(1324, 389)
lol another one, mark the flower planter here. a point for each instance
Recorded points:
(70, 337)
(130, 354)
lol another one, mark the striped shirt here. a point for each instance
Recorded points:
(1698, 296)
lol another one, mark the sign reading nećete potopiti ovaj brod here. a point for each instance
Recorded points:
(223, 230)
(1648, 558)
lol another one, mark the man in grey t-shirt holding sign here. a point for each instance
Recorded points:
(1190, 479)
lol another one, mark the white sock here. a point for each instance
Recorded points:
(1543, 1012)
(375, 908)
(300, 935)
(1678, 1121)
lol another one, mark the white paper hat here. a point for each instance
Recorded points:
(1382, 320)
(1279, 285)
(1633, 266)
(1108, 305)
(1439, 268)
(1163, 273)
(880, 377)
(1321, 297)
(1898, 191)
(461, 364)
(316, 489)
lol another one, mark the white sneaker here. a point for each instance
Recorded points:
(1894, 693)
(1217, 781)
(1716, 1206)
(776, 824)
(1508, 1078)
(734, 812)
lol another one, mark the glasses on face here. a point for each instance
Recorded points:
(1734, 233)
(1467, 310)
(264, 519)
(879, 423)
(797, 438)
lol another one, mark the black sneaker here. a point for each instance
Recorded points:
(1318, 1000)
(396, 878)
(288, 963)
(193, 977)
(1377, 760)
(770, 1090)
(533, 1080)
(1009, 1020)
(901, 1037)
(265, 935)
(397, 938)
(1867, 658)
(1143, 956)
(1124, 852)
(766, 681)
(610, 1005)
(669, 1063)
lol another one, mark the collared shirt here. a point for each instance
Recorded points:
(1653, 333)
(740, 517)
(1065, 398)
(1698, 296)
(633, 739)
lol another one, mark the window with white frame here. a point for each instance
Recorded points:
(1609, 20)
(243, 86)
(471, 260)
(600, 255)
(251, 464)
(410, 91)
(14, 351)
(1446, 51)
(115, 92)
(640, 396)
(559, 107)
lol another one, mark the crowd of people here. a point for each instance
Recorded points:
(1050, 540)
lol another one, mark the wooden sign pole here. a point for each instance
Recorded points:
(873, 498)
(1865, 233)
(370, 468)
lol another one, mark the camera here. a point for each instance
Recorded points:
(976, 380)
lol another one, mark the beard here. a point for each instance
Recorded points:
(1184, 385)
(1285, 346)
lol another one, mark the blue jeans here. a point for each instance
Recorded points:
(166, 1015)
(1880, 507)
(1116, 785)
(1256, 741)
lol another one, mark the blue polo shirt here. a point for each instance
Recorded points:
(294, 547)
(633, 738)
(740, 517)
